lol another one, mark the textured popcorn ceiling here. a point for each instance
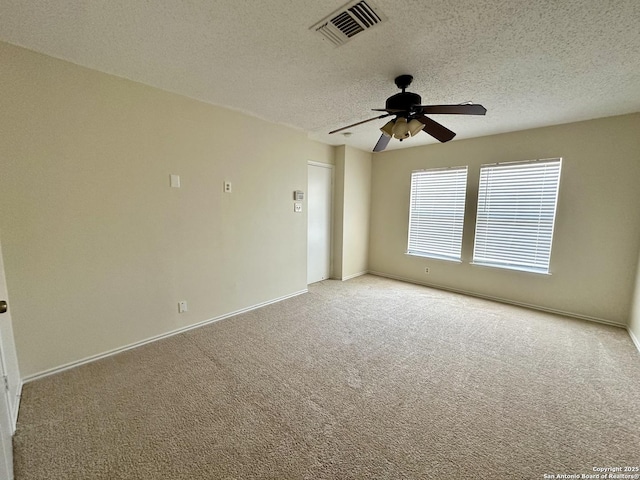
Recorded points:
(530, 63)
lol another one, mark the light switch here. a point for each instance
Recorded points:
(182, 306)
(175, 181)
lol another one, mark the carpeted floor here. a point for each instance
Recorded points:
(370, 378)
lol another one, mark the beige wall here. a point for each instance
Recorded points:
(597, 236)
(98, 248)
(351, 219)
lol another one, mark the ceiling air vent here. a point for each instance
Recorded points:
(355, 17)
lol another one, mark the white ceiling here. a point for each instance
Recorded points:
(531, 63)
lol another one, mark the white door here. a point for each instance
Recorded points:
(319, 205)
(9, 380)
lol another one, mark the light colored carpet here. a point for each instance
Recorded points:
(370, 378)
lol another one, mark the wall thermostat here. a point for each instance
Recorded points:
(298, 195)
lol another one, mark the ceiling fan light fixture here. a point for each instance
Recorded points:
(411, 116)
(415, 126)
(387, 129)
(401, 129)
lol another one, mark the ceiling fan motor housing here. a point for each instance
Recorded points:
(403, 101)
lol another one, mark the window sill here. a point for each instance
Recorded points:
(506, 267)
(434, 257)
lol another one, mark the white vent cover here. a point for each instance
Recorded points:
(343, 24)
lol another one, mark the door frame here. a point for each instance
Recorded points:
(10, 383)
(332, 168)
(9, 365)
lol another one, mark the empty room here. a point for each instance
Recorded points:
(319, 240)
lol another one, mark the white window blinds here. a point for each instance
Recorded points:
(516, 214)
(436, 213)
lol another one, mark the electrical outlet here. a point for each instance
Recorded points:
(426, 270)
(182, 306)
(227, 187)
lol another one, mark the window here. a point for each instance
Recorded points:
(516, 214)
(436, 213)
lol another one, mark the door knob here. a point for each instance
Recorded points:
(3, 306)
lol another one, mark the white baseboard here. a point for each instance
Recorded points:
(14, 420)
(502, 300)
(349, 277)
(634, 339)
(115, 351)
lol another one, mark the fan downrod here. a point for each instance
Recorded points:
(403, 81)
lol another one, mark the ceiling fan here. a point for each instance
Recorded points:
(411, 116)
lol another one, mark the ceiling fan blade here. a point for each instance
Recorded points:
(382, 143)
(463, 109)
(437, 131)
(389, 110)
(360, 123)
